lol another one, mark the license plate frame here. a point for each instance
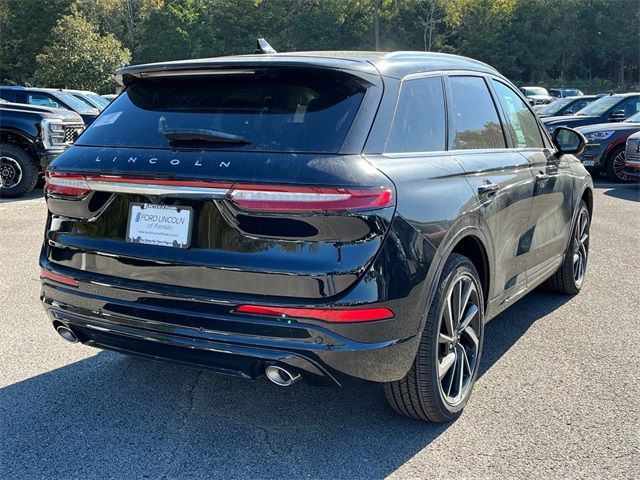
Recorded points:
(164, 225)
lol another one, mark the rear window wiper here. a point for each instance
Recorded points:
(202, 135)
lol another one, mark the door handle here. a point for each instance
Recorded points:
(488, 188)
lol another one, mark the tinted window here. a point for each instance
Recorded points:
(42, 100)
(474, 119)
(272, 109)
(521, 123)
(419, 122)
(630, 107)
(8, 95)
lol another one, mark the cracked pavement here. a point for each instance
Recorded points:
(557, 397)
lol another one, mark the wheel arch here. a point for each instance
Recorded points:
(13, 137)
(587, 196)
(472, 247)
(471, 242)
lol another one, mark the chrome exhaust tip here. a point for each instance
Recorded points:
(281, 376)
(66, 333)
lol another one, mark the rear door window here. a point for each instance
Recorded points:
(474, 121)
(42, 100)
(419, 122)
(275, 109)
(522, 125)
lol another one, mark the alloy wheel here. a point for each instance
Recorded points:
(581, 247)
(10, 173)
(618, 167)
(458, 342)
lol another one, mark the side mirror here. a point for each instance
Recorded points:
(569, 112)
(617, 115)
(568, 141)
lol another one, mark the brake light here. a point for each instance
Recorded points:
(248, 197)
(281, 198)
(58, 277)
(66, 184)
(333, 315)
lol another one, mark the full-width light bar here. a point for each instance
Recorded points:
(333, 315)
(267, 198)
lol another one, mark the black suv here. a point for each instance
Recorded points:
(51, 98)
(322, 215)
(30, 138)
(610, 108)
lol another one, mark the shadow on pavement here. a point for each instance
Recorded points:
(37, 193)
(626, 192)
(111, 416)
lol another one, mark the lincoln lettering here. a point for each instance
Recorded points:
(174, 162)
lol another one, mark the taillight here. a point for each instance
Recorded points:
(333, 315)
(66, 184)
(58, 277)
(297, 199)
(267, 198)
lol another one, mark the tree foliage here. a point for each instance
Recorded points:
(79, 57)
(582, 42)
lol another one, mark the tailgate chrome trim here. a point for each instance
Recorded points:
(157, 190)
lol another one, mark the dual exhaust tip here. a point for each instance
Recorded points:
(277, 374)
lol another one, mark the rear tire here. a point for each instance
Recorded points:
(18, 171)
(569, 278)
(440, 381)
(615, 165)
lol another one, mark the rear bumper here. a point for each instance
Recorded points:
(214, 339)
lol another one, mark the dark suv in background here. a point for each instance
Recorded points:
(321, 215)
(565, 92)
(565, 106)
(51, 98)
(605, 150)
(610, 108)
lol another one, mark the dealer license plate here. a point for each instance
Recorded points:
(162, 225)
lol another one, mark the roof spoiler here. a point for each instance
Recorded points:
(263, 47)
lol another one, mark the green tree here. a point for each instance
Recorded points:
(79, 57)
(25, 27)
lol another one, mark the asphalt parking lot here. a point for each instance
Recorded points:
(558, 394)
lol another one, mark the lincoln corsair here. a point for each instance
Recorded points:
(319, 215)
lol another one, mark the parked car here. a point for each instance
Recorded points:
(30, 138)
(110, 97)
(90, 98)
(605, 150)
(565, 92)
(537, 95)
(265, 215)
(632, 156)
(51, 98)
(564, 106)
(612, 108)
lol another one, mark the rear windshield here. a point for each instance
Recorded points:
(276, 110)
